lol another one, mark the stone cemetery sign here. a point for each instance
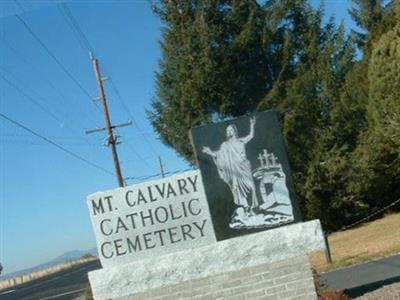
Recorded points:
(151, 218)
(246, 174)
(245, 181)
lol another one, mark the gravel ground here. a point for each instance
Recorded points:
(388, 292)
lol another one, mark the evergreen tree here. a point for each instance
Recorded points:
(186, 78)
(319, 58)
(340, 117)
(377, 158)
(214, 65)
(384, 93)
(367, 14)
(352, 171)
(223, 58)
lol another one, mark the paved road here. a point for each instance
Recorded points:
(64, 285)
(360, 279)
(357, 280)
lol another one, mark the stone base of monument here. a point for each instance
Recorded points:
(271, 264)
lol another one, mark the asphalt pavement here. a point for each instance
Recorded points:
(356, 280)
(64, 285)
(360, 279)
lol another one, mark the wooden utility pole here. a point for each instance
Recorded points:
(112, 139)
(161, 167)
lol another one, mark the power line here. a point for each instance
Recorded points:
(43, 76)
(56, 145)
(85, 44)
(45, 110)
(43, 45)
(39, 143)
(26, 138)
(73, 24)
(59, 139)
(112, 140)
(136, 153)
(123, 103)
(119, 97)
(146, 177)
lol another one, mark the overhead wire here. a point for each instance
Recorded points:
(19, 138)
(123, 103)
(5, 141)
(58, 62)
(146, 177)
(74, 26)
(25, 93)
(64, 69)
(77, 156)
(51, 54)
(38, 104)
(32, 100)
(44, 78)
(85, 44)
(137, 154)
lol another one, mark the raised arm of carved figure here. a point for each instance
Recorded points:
(251, 134)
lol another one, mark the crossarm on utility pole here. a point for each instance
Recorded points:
(104, 128)
(109, 127)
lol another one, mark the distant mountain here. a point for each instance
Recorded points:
(65, 257)
(69, 256)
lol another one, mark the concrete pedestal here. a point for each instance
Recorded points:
(267, 265)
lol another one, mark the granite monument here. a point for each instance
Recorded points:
(246, 174)
(150, 219)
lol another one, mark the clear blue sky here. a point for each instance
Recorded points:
(43, 190)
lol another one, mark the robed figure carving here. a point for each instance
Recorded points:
(235, 170)
(273, 207)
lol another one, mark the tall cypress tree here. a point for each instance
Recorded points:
(353, 171)
(221, 59)
(215, 64)
(384, 94)
(318, 60)
(376, 160)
